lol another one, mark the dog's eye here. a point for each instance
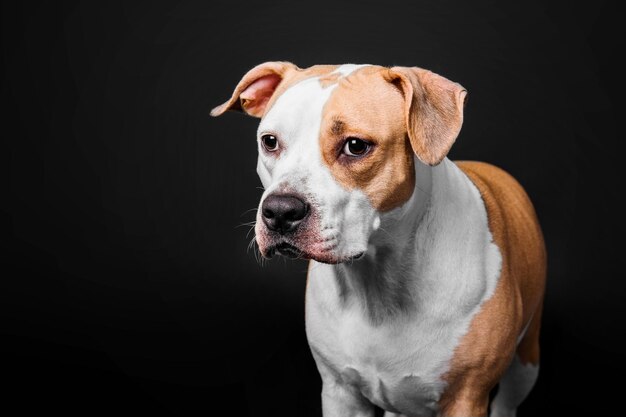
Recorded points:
(270, 143)
(356, 147)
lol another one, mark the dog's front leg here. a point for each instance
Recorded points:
(339, 400)
(467, 402)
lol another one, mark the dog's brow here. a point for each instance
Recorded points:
(338, 127)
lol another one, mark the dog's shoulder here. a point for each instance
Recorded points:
(505, 200)
(515, 229)
(512, 222)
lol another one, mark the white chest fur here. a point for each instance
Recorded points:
(426, 290)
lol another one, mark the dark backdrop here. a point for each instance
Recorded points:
(126, 283)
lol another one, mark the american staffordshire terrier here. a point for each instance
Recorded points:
(426, 277)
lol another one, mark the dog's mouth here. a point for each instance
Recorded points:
(287, 250)
(291, 251)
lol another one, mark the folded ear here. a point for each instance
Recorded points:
(433, 111)
(256, 88)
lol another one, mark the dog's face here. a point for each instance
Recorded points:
(336, 149)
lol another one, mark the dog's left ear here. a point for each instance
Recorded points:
(256, 88)
(433, 111)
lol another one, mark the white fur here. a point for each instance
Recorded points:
(347, 69)
(514, 388)
(451, 267)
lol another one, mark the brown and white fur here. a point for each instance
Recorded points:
(426, 277)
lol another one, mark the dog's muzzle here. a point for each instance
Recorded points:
(291, 228)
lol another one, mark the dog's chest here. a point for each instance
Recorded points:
(398, 367)
(406, 394)
(394, 372)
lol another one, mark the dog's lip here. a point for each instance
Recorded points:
(293, 252)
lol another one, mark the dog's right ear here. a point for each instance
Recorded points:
(256, 88)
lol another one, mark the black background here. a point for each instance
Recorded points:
(126, 284)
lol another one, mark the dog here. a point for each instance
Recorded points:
(426, 277)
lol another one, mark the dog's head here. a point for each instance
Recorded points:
(336, 149)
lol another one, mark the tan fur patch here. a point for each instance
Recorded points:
(330, 79)
(366, 106)
(485, 352)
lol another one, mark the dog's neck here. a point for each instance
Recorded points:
(401, 254)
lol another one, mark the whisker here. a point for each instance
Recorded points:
(252, 223)
(248, 211)
(251, 242)
(252, 227)
(257, 253)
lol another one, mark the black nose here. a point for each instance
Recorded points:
(282, 213)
